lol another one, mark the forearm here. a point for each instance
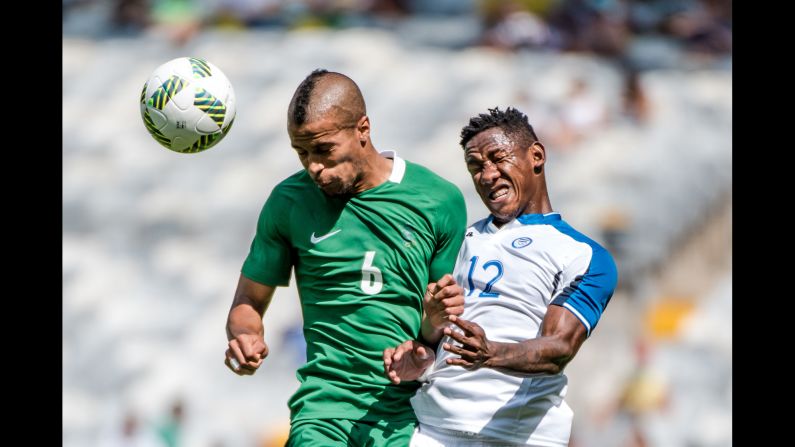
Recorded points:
(544, 355)
(244, 318)
(430, 335)
(562, 334)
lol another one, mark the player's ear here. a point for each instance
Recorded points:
(538, 156)
(363, 129)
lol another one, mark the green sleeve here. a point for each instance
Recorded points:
(269, 261)
(450, 227)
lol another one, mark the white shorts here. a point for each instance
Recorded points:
(430, 436)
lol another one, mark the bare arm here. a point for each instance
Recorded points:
(244, 328)
(562, 334)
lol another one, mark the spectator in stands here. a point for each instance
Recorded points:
(133, 433)
(178, 20)
(131, 15)
(510, 26)
(170, 430)
(635, 101)
(582, 112)
(705, 28)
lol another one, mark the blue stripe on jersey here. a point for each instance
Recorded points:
(530, 219)
(588, 295)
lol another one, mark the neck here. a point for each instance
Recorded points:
(375, 170)
(540, 205)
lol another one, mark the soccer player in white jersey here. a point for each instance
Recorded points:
(534, 290)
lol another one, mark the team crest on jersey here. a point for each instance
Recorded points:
(521, 242)
(408, 235)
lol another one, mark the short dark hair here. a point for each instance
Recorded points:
(302, 95)
(513, 122)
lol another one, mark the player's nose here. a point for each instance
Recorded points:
(314, 168)
(489, 174)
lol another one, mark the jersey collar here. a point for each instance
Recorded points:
(526, 219)
(398, 166)
(535, 219)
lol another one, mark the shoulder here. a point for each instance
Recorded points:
(479, 226)
(599, 257)
(297, 182)
(293, 187)
(568, 231)
(429, 183)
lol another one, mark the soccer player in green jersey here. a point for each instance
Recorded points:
(364, 232)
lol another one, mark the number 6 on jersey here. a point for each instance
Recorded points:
(372, 281)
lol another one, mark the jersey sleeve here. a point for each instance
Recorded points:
(588, 284)
(451, 224)
(269, 259)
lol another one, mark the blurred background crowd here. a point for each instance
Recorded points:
(604, 27)
(633, 100)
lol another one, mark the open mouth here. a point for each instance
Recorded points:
(498, 193)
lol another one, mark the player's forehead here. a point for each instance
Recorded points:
(317, 129)
(488, 141)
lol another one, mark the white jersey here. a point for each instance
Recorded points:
(510, 276)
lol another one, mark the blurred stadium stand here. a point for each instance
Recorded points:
(153, 240)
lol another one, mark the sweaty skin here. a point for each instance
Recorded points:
(510, 180)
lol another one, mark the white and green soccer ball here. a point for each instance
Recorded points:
(188, 105)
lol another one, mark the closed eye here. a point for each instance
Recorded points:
(323, 148)
(498, 157)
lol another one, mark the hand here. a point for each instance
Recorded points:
(245, 354)
(407, 361)
(476, 349)
(443, 299)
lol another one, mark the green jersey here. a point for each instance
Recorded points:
(361, 263)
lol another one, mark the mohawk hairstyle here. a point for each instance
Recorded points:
(513, 122)
(303, 93)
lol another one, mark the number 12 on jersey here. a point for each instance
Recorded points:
(486, 293)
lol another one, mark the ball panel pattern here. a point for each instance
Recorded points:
(188, 105)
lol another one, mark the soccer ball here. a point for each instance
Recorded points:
(188, 105)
